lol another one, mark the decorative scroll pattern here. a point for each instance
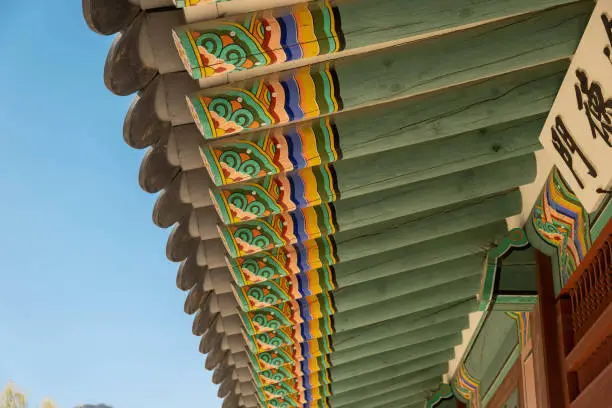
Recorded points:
(561, 221)
(292, 386)
(288, 336)
(522, 321)
(467, 387)
(315, 351)
(303, 31)
(189, 3)
(288, 402)
(308, 93)
(288, 314)
(275, 194)
(308, 380)
(279, 150)
(258, 235)
(288, 389)
(285, 261)
(282, 290)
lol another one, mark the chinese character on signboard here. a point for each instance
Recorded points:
(578, 131)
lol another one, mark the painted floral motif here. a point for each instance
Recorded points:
(278, 150)
(560, 220)
(307, 93)
(262, 38)
(287, 314)
(259, 235)
(275, 194)
(285, 261)
(282, 290)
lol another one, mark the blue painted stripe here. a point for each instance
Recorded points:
(295, 149)
(289, 40)
(292, 99)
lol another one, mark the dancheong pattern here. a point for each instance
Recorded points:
(467, 387)
(275, 194)
(560, 220)
(287, 336)
(278, 150)
(285, 261)
(260, 39)
(250, 237)
(293, 389)
(291, 354)
(282, 290)
(288, 314)
(308, 93)
(305, 381)
(309, 380)
(189, 3)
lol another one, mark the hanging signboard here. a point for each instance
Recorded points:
(578, 131)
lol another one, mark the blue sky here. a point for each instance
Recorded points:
(89, 311)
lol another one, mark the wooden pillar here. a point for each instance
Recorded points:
(547, 352)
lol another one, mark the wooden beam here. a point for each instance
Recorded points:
(328, 29)
(400, 72)
(426, 365)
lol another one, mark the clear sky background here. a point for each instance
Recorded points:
(89, 310)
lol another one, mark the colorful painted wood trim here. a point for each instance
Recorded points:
(292, 387)
(560, 220)
(467, 387)
(444, 392)
(263, 38)
(522, 322)
(277, 151)
(516, 238)
(317, 358)
(290, 314)
(306, 93)
(285, 373)
(289, 402)
(285, 261)
(264, 234)
(277, 291)
(288, 336)
(275, 194)
(189, 3)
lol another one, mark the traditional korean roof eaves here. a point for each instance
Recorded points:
(389, 186)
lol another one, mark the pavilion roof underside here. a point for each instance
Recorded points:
(334, 174)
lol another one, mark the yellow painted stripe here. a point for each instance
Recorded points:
(306, 31)
(308, 93)
(309, 146)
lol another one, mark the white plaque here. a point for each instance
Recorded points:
(578, 131)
